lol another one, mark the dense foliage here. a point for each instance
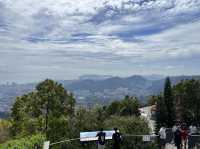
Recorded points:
(188, 93)
(180, 102)
(4, 130)
(32, 142)
(127, 107)
(37, 111)
(50, 111)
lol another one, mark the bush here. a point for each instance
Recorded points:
(4, 130)
(31, 142)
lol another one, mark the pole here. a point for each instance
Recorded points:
(46, 117)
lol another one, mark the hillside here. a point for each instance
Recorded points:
(95, 91)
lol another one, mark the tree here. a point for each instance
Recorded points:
(130, 106)
(152, 100)
(161, 113)
(114, 108)
(44, 110)
(188, 93)
(169, 102)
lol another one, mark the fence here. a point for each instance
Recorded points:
(129, 141)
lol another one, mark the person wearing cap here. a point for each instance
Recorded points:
(117, 139)
(101, 139)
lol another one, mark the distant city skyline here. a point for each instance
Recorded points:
(65, 39)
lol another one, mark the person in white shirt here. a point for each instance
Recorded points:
(192, 140)
(193, 129)
(162, 135)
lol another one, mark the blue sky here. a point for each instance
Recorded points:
(64, 39)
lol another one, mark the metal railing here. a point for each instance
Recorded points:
(129, 141)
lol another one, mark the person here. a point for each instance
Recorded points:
(174, 129)
(101, 139)
(117, 139)
(162, 134)
(177, 138)
(184, 135)
(192, 139)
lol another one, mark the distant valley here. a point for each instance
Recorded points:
(93, 89)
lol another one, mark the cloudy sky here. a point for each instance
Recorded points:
(63, 39)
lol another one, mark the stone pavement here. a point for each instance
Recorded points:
(170, 146)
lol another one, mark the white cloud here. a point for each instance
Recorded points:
(180, 41)
(114, 31)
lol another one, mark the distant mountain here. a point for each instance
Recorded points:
(95, 77)
(110, 83)
(94, 89)
(154, 77)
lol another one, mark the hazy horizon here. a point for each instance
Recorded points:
(78, 77)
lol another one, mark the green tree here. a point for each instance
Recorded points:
(161, 113)
(188, 92)
(44, 110)
(130, 106)
(169, 103)
(152, 100)
(114, 108)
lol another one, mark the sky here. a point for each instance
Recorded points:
(64, 39)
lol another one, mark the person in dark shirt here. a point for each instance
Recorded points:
(116, 137)
(101, 139)
(177, 138)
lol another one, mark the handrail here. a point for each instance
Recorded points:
(126, 135)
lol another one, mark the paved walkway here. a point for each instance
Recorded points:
(170, 146)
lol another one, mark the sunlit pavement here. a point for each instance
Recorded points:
(170, 146)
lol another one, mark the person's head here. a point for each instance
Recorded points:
(115, 129)
(163, 125)
(101, 129)
(177, 123)
(184, 126)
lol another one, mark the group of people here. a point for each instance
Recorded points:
(116, 137)
(183, 136)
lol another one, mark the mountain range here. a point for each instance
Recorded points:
(94, 89)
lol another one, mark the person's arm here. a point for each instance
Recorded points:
(159, 132)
